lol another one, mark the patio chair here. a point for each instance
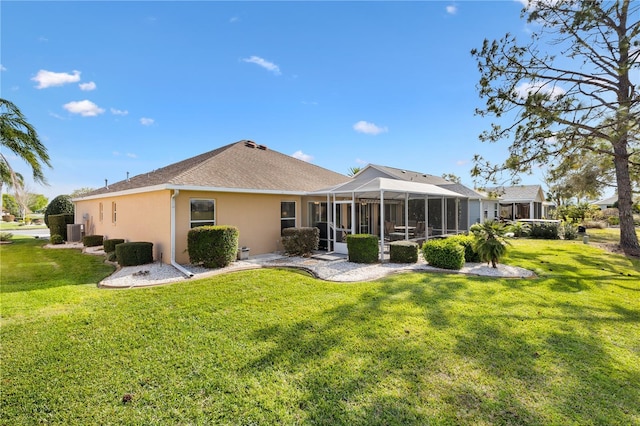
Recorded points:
(389, 228)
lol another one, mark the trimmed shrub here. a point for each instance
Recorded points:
(403, 252)
(58, 224)
(300, 241)
(443, 253)
(57, 239)
(110, 245)
(136, 253)
(212, 246)
(569, 231)
(60, 205)
(92, 240)
(613, 220)
(546, 231)
(467, 242)
(362, 248)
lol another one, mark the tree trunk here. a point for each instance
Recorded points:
(628, 237)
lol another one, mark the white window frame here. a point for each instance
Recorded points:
(295, 214)
(202, 222)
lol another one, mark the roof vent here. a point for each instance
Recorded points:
(262, 147)
(106, 183)
(250, 144)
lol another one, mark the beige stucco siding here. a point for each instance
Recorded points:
(138, 217)
(257, 217)
(147, 217)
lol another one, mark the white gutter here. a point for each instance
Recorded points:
(173, 236)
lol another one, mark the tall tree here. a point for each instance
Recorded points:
(578, 98)
(20, 137)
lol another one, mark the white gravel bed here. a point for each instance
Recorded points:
(335, 270)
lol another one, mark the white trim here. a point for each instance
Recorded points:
(191, 188)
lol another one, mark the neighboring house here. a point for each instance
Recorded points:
(516, 202)
(607, 203)
(258, 190)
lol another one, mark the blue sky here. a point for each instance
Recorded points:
(117, 87)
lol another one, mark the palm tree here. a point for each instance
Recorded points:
(21, 138)
(353, 171)
(490, 243)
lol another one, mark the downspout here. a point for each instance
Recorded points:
(173, 236)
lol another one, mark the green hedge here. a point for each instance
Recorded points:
(403, 252)
(443, 253)
(92, 240)
(62, 204)
(362, 248)
(135, 253)
(546, 231)
(467, 242)
(58, 224)
(110, 244)
(300, 241)
(57, 239)
(212, 246)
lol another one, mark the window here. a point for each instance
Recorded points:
(287, 214)
(101, 212)
(113, 212)
(203, 212)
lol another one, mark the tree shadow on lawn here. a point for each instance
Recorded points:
(379, 360)
(413, 351)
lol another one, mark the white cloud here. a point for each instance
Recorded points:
(2, 68)
(147, 121)
(452, 10)
(46, 78)
(361, 161)
(461, 162)
(87, 87)
(302, 156)
(85, 108)
(270, 66)
(368, 128)
(119, 111)
(526, 89)
(131, 155)
(234, 19)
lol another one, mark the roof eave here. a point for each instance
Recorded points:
(166, 187)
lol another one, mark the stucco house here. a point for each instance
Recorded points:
(515, 202)
(606, 203)
(261, 192)
(243, 184)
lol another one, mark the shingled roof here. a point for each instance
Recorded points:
(518, 193)
(242, 165)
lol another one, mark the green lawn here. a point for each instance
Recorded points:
(278, 347)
